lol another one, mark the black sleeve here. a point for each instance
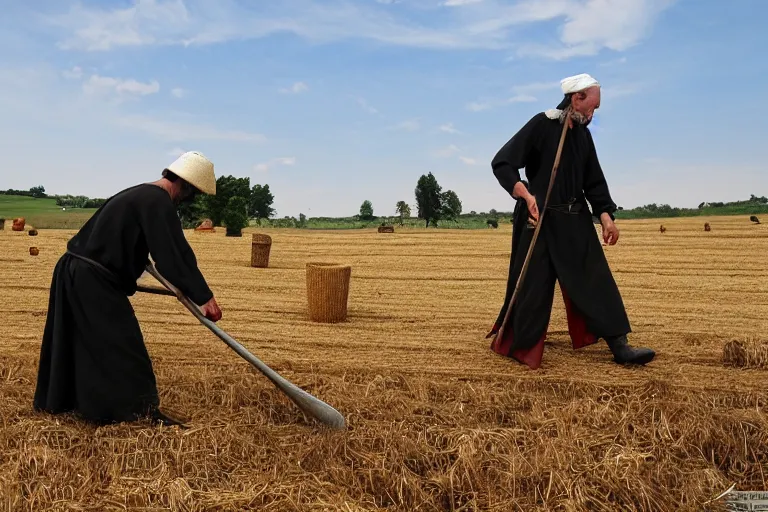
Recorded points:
(171, 252)
(595, 187)
(514, 155)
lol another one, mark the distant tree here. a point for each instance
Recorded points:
(302, 220)
(403, 210)
(236, 215)
(191, 214)
(227, 187)
(754, 199)
(37, 192)
(493, 213)
(428, 199)
(366, 210)
(450, 205)
(260, 203)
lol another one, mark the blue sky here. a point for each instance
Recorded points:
(335, 102)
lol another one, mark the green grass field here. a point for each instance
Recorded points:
(42, 213)
(45, 214)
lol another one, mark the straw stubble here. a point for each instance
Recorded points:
(436, 421)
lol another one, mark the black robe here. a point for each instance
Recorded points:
(567, 250)
(93, 360)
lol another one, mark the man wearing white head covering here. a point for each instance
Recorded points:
(567, 250)
(93, 360)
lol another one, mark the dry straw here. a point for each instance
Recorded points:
(746, 354)
(328, 291)
(260, 247)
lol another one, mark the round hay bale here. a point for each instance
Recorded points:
(2, 224)
(260, 247)
(18, 224)
(34, 251)
(386, 229)
(33, 232)
(707, 227)
(328, 291)
(206, 227)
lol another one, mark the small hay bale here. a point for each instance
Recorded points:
(754, 219)
(34, 251)
(18, 224)
(206, 227)
(33, 232)
(386, 229)
(328, 291)
(260, 247)
(2, 224)
(662, 229)
(746, 354)
(707, 227)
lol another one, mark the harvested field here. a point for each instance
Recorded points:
(437, 422)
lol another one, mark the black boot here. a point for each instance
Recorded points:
(624, 354)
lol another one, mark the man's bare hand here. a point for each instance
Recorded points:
(533, 208)
(211, 310)
(610, 231)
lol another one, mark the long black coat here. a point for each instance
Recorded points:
(93, 360)
(568, 249)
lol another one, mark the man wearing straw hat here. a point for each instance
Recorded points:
(557, 151)
(93, 360)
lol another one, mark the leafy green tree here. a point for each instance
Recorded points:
(366, 210)
(191, 214)
(428, 199)
(302, 220)
(450, 205)
(236, 215)
(260, 204)
(227, 187)
(402, 209)
(37, 192)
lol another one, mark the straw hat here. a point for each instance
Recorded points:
(194, 168)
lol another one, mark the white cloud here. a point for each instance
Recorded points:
(596, 24)
(467, 160)
(178, 92)
(448, 128)
(176, 152)
(587, 25)
(184, 131)
(368, 108)
(478, 106)
(446, 151)
(76, 73)
(102, 85)
(266, 166)
(296, 88)
(410, 125)
(521, 94)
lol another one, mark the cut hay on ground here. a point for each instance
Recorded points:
(436, 421)
(746, 354)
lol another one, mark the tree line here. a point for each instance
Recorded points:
(65, 201)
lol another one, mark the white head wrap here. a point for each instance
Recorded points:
(577, 83)
(570, 85)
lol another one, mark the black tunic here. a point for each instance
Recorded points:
(93, 360)
(568, 249)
